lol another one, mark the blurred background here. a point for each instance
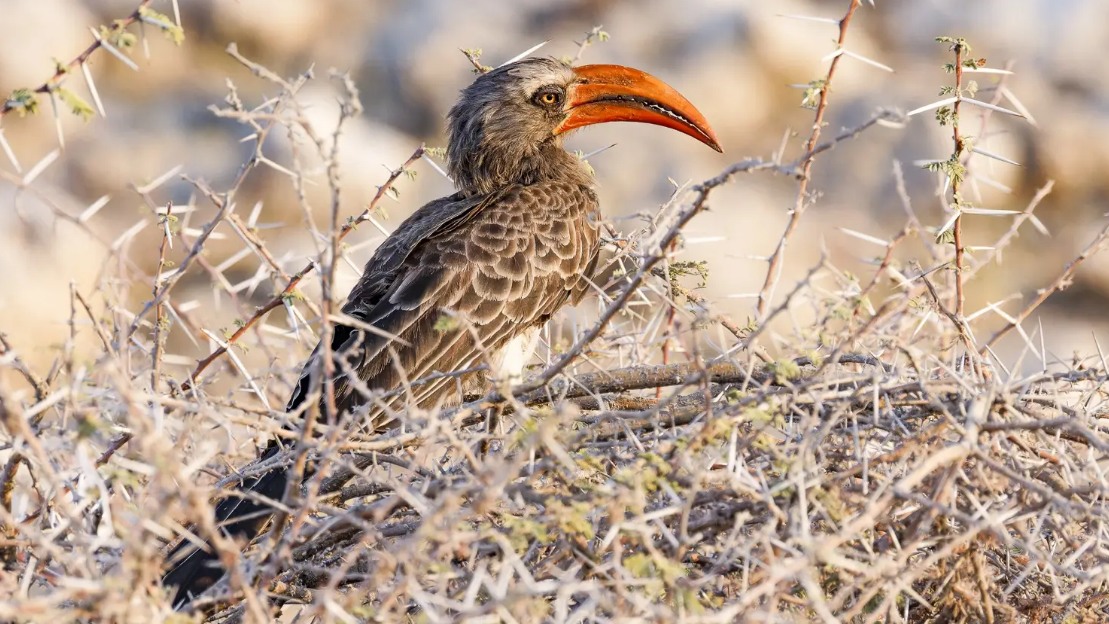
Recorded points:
(735, 59)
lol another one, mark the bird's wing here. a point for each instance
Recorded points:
(381, 272)
(453, 285)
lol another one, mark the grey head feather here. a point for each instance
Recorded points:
(498, 136)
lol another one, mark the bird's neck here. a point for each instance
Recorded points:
(486, 170)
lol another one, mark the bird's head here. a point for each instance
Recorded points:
(507, 126)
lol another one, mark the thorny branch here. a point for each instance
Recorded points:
(957, 138)
(774, 264)
(1059, 283)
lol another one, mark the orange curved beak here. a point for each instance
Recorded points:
(603, 93)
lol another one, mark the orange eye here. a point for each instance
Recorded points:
(548, 98)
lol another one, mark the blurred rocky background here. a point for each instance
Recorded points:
(736, 59)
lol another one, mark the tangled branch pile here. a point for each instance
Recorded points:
(886, 468)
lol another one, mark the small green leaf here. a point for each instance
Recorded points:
(76, 104)
(951, 167)
(23, 101)
(812, 93)
(573, 519)
(172, 31)
(474, 55)
(681, 268)
(117, 36)
(446, 323)
(784, 371)
(639, 565)
(947, 237)
(946, 115)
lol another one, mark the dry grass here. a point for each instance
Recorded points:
(659, 465)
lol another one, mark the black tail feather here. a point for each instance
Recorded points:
(244, 518)
(239, 518)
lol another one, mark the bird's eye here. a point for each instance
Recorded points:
(548, 98)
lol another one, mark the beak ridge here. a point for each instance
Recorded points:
(604, 93)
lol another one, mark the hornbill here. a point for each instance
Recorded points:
(517, 242)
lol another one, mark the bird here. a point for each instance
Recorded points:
(468, 274)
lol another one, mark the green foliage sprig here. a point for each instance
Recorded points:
(116, 38)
